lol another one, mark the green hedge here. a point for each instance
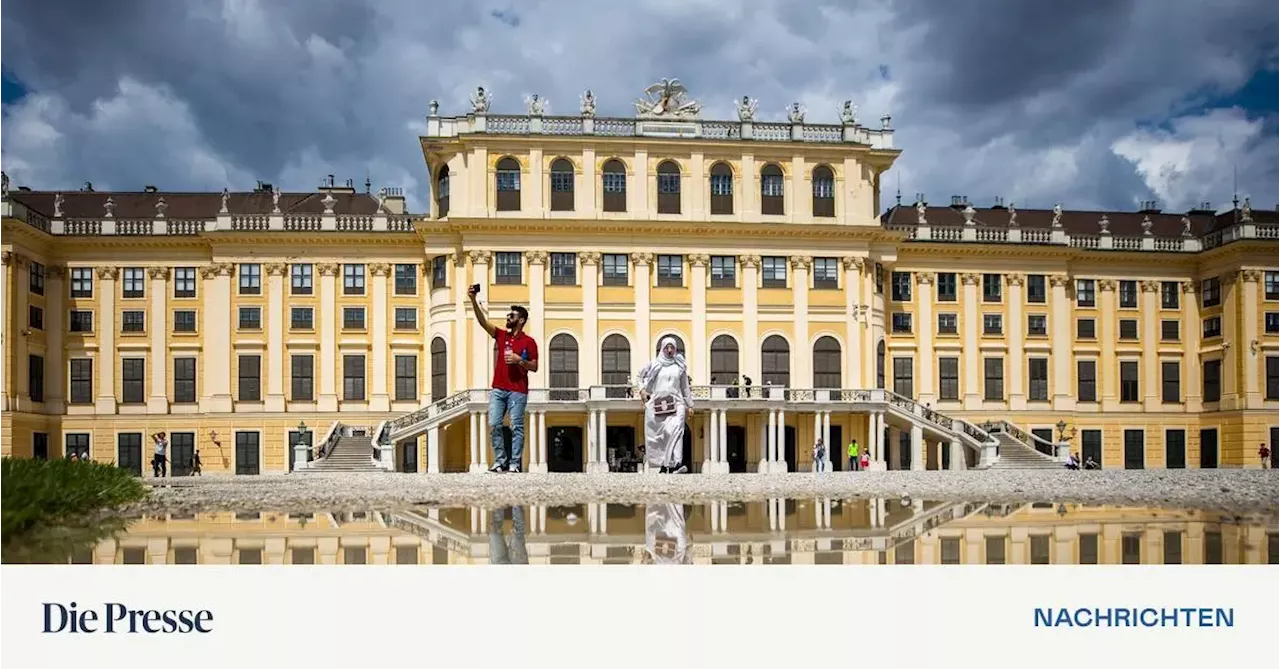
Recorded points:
(36, 493)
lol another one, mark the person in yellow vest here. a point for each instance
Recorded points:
(853, 455)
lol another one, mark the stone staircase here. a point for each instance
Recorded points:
(1017, 455)
(349, 454)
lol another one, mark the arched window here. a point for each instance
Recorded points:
(564, 367)
(613, 185)
(721, 189)
(615, 365)
(880, 364)
(439, 369)
(724, 361)
(668, 188)
(826, 363)
(775, 362)
(824, 192)
(771, 200)
(442, 192)
(561, 185)
(508, 184)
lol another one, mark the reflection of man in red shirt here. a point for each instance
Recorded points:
(516, 355)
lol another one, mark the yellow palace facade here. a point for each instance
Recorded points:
(271, 330)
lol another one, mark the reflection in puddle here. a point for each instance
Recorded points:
(777, 531)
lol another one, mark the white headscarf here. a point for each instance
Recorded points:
(676, 359)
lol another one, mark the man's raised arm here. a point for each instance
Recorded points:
(472, 292)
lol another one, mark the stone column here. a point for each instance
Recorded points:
(485, 447)
(55, 374)
(1191, 332)
(327, 398)
(478, 341)
(771, 438)
(424, 321)
(537, 261)
(157, 328)
(1014, 336)
(780, 446)
(215, 395)
(817, 429)
(709, 460)
(1108, 368)
(722, 452)
(802, 377)
(925, 327)
(275, 317)
(17, 383)
(957, 455)
(1150, 324)
(106, 328)
(826, 439)
(602, 441)
(1250, 392)
(642, 352)
(1064, 398)
(379, 396)
(917, 448)
(750, 316)
(474, 441)
(853, 375)
(592, 433)
(971, 320)
(434, 452)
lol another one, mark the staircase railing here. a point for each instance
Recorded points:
(384, 452)
(325, 447)
(1029, 439)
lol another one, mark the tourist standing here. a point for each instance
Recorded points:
(668, 399)
(865, 461)
(160, 461)
(517, 356)
(819, 455)
(1264, 454)
(195, 464)
(853, 455)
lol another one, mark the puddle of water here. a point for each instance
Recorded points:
(778, 531)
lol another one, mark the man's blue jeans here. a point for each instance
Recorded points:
(502, 403)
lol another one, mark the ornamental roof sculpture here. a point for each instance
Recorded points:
(746, 109)
(667, 99)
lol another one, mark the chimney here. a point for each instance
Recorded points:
(331, 186)
(1149, 207)
(262, 187)
(959, 201)
(395, 200)
(999, 203)
(1203, 209)
(150, 189)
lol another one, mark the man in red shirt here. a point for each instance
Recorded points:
(516, 357)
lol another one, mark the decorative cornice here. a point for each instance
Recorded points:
(276, 269)
(1106, 285)
(1150, 286)
(108, 273)
(458, 258)
(640, 258)
(970, 278)
(852, 263)
(159, 273)
(218, 269)
(801, 262)
(17, 259)
(590, 257)
(750, 260)
(480, 257)
(327, 268)
(1059, 281)
(1188, 287)
(1251, 275)
(379, 269)
(1014, 279)
(925, 278)
(699, 259)
(536, 257)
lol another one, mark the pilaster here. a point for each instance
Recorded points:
(1150, 338)
(215, 395)
(158, 397)
(379, 397)
(699, 353)
(55, 374)
(477, 339)
(642, 352)
(537, 261)
(1060, 341)
(1191, 334)
(1248, 341)
(750, 315)
(972, 319)
(1015, 339)
(802, 375)
(1108, 367)
(590, 370)
(275, 317)
(105, 403)
(327, 398)
(925, 326)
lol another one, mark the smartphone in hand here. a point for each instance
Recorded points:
(474, 290)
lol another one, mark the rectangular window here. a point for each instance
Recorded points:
(35, 378)
(1087, 380)
(80, 320)
(301, 318)
(36, 282)
(301, 279)
(671, 271)
(133, 373)
(184, 380)
(507, 268)
(995, 550)
(1129, 381)
(724, 271)
(250, 377)
(352, 279)
(40, 445)
(81, 380)
(301, 378)
(992, 324)
(1131, 548)
(1091, 446)
(824, 273)
(353, 377)
(1273, 377)
(950, 550)
(564, 269)
(946, 286)
(133, 283)
(879, 277)
(78, 445)
(1038, 371)
(948, 378)
(248, 453)
(1212, 327)
(900, 286)
(406, 377)
(182, 452)
(1169, 295)
(250, 279)
(1128, 294)
(133, 320)
(946, 324)
(991, 290)
(1213, 547)
(1036, 291)
(353, 318)
(1211, 381)
(35, 317)
(184, 282)
(773, 272)
(1086, 293)
(1039, 549)
(901, 323)
(1128, 328)
(993, 379)
(1175, 449)
(1089, 548)
(250, 318)
(615, 269)
(1172, 547)
(439, 272)
(81, 282)
(1271, 285)
(1037, 325)
(903, 377)
(406, 279)
(406, 318)
(1135, 445)
(1170, 381)
(1271, 322)
(1170, 330)
(1210, 292)
(1086, 328)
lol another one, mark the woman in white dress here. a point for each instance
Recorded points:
(668, 398)
(665, 539)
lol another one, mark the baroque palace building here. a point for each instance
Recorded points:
(267, 329)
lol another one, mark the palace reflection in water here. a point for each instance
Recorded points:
(777, 531)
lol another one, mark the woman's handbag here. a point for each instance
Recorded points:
(664, 406)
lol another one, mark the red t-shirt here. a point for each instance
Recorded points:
(512, 377)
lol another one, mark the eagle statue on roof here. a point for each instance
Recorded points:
(667, 98)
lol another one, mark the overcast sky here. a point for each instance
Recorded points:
(1094, 103)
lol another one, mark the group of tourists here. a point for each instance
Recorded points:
(858, 458)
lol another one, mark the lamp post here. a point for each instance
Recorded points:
(301, 449)
(1062, 430)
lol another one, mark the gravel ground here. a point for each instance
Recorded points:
(1237, 491)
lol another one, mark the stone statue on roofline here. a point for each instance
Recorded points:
(795, 113)
(920, 212)
(58, 201)
(275, 200)
(1186, 226)
(588, 104)
(667, 98)
(480, 101)
(1057, 215)
(1013, 215)
(226, 196)
(746, 109)
(1246, 211)
(849, 113)
(537, 106)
